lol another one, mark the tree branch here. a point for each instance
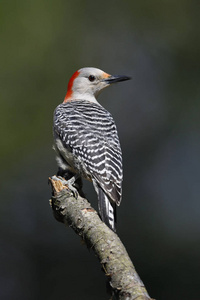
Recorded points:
(84, 220)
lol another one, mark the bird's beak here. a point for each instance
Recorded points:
(116, 78)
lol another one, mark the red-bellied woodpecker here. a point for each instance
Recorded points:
(86, 139)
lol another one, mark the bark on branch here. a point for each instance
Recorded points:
(84, 220)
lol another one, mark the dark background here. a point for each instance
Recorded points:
(157, 115)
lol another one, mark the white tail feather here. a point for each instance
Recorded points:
(106, 209)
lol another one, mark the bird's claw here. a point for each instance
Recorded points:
(69, 183)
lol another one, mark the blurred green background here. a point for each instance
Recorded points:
(157, 115)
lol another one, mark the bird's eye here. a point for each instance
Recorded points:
(91, 78)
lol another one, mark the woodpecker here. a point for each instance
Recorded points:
(86, 139)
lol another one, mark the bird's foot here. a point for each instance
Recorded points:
(69, 183)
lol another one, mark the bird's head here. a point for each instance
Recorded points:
(87, 83)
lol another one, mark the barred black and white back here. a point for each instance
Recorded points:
(87, 143)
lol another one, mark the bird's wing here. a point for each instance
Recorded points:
(90, 132)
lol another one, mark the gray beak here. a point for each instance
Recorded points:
(116, 78)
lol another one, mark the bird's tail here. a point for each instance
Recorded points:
(107, 209)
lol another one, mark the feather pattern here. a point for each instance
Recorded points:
(87, 140)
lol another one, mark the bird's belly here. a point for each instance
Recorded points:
(67, 160)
